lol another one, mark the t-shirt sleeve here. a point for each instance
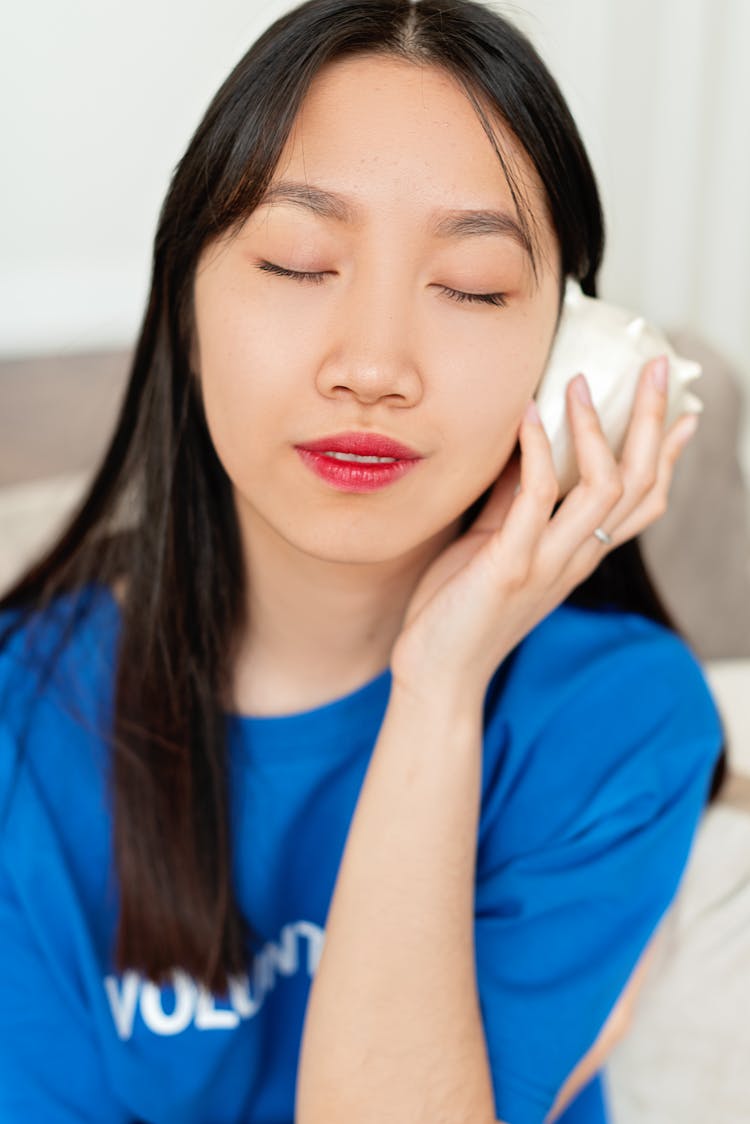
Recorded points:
(612, 784)
(50, 1066)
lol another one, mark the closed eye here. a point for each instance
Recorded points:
(496, 299)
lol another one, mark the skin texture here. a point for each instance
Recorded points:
(378, 347)
(340, 585)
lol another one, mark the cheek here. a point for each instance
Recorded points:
(234, 403)
(242, 365)
(252, 354)
(487, 389)
(482, 407)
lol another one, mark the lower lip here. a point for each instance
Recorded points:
(353, 476)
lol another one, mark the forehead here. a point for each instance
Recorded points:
(393, 136)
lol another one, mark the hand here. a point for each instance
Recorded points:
(516, 563)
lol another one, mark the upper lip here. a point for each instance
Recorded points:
(363, 444)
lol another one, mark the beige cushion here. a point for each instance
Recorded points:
(684, 1059)
(699, 552)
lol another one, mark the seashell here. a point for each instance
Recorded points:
(610, 345)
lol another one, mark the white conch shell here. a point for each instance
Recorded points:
(610, 345)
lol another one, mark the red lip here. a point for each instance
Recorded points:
(363, 444)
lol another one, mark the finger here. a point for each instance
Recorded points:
(640, 464)
(655, 503)
(680, 433)
(531, 460)
(512, 547)
(644, 439)
(588, 504)
(599, 471)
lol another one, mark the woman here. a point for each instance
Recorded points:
(406, 729)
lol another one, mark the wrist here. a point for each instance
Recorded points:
(441, 683)
(435, 702)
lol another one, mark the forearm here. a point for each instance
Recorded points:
(393, 1030)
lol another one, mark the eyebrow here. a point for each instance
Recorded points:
(447, 224)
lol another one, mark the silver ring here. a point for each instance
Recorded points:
(602, 536)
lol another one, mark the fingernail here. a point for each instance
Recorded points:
(687, 428)
(581, 390)
(531, 414)
(660, 373)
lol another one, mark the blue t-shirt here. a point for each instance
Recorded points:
(600, 738)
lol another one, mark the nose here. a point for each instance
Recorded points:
(372, 353)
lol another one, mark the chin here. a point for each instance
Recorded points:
(361, 545)
(344, 551)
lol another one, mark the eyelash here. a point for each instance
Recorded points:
(497, 300)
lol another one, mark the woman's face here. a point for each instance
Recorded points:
(378, 345)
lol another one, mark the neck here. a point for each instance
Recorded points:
(317, 629)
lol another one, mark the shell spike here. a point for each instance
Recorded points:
(691, 403)
(691, 370)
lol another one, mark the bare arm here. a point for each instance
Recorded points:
(399, 952)
(393, 1029)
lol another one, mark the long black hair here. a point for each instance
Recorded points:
(180, 550)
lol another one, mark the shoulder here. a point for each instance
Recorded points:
(56, 666)
(56, 885)
(589, 661)
(602, 738)
(43, 647)
(599, 711)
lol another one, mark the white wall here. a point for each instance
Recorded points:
(98, 100)
(661, 90)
